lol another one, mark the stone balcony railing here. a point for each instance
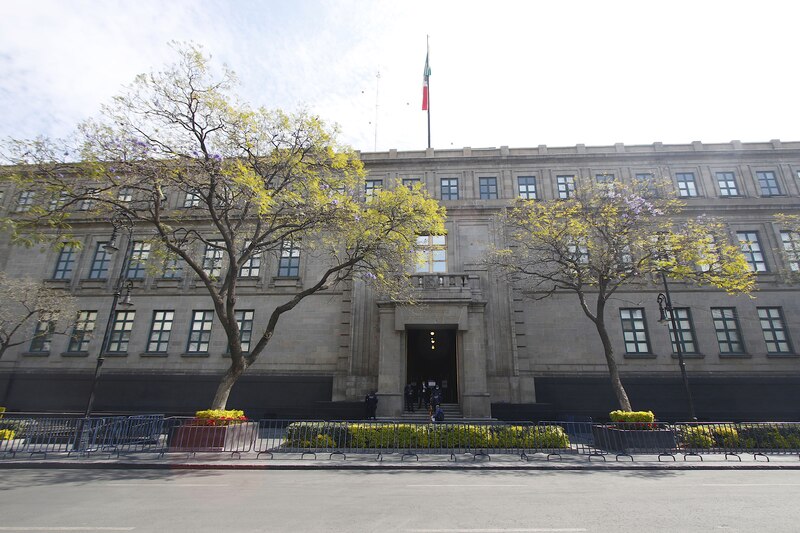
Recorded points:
(446, 285)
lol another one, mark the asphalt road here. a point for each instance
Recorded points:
(399, 501)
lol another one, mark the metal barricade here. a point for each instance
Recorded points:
(624, 439)
(193, 436)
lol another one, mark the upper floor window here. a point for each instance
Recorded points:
(774, 328)
(138, 259)
(65, 262)
(768, 183)
(24, 201)
(791, 246)
(634, 330)
(42, 336)
(212, 258)
(431, 253)
(121, 329)
(57, 201)
(449, 188)
(125, 194)
(251, 267)
(410, 182)
(371, 187)
(727, 184)
(726, 325)
(192, 199)
(173, 268)
(604, 178)
(488, 188)
(579, 252)
(289, 262)
(526, 187)
(100, 262)
(244, 319)
(82, 331)
(87, 204)
(687, 187)
(685, 333)
(200, 332)
(566, 186)
(646, 183)
(751, 248)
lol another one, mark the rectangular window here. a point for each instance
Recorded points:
(212, 258)
(410, 182)
(125, 194)
(751, 248)
(432, 253)
(791, 247)
(687, 187)
(488, 188)
(245, 321)
(65, 262)
(57, 201)
(726, 324)
(727, 184)
(192, 199)
(200, 332)
(685, 334)
(251, 268)
(768, 183)
(42, 336)
(774, 329)
(449, 188)
(371, 186)
(160, 330)
(526, 187)
(646, 183)
(87, 204)
(173, 268)
(100, 262)
(579, 252)
(82, 331)
(604, 178)
(566, 186)
(121, 331)
(136, 263)
(634, 330)
(24, 201)
(289, 262)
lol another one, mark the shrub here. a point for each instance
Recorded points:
(218, 417)
(766, 437)
(7, 434)
(698, 437)
(632, 416)
(2, 411)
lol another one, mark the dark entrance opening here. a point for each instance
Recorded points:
(432, 358)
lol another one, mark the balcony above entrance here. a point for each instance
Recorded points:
(439, 286)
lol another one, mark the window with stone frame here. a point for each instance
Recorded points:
(192, 199)
(200, 332)
(251, 267)
(371, 187)
(449, 188)
(774, 328)
(791, 247)
(101, 261)
(729, 334)
(488, 188)
(634, 330)
(685, 333)
(137, 262)
(579, 252)
(88, 202)
(173, 268)
(57, 201)
(212, 258)
(121, 329)
(289, 261)
(687, 185)
(526, 187)
(24, 201)
(42, 336)
(768, 183)
(431, 253)
(125, 194)
(605, 177)
(751, 248)
(65, 263)
(160, 331)
(727, 184)
(244, 319)
(411, 182)
(82, 331)
(566, 186)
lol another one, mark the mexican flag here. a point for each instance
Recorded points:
(425, 75)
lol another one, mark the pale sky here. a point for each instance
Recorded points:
(515, 73)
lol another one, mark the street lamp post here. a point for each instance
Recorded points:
(121, 223)
(665, 308)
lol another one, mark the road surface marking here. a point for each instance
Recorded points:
(471, 485)
(167, 484)
(750, 485)
(513, 530)
(64, 528)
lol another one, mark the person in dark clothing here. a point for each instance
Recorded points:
(370, 405)
(436, 397)
(408, 394)
(438, 416)
(420, 394)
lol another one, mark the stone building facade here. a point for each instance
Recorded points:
(493, 350)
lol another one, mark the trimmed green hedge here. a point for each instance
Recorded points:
(426, 436)
(632, 416)
(742, 437)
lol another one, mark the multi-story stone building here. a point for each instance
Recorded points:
(491, 349)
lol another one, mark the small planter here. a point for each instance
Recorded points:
(231, 438)
(614, 439)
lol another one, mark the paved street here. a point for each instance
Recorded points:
(403, 501)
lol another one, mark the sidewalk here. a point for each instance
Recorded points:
(293, 461)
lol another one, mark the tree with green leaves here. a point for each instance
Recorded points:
(608, 235)
(254, 179)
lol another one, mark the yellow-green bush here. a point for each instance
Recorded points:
(2, 411)
(7, 434)
(632, 416)
(698, 437)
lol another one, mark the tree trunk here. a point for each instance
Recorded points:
(225, 386)
(616, 382)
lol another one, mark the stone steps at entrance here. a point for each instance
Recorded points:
(452, 411)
